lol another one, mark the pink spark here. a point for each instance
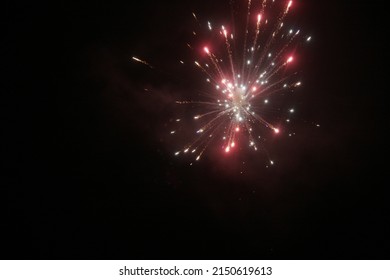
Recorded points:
(227, 149)
(237, 129)
(276, 130)
(233, 144)
(289, 4)
(290, 59)
(206, 49)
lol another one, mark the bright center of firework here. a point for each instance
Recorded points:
(239, 103)
(238, 98)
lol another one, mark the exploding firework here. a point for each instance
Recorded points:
(243, 81)
(244, 70)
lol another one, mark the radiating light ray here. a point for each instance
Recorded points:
(246, 35)
(142, 61)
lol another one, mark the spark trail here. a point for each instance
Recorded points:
(142, 61)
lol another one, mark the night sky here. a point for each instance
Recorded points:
(89, 170)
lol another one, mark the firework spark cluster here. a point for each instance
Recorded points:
(244, 68)
(242, 80)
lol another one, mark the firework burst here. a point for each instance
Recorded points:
(243, 70)
(241, 82)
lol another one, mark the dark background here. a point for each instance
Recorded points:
(89, 173)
